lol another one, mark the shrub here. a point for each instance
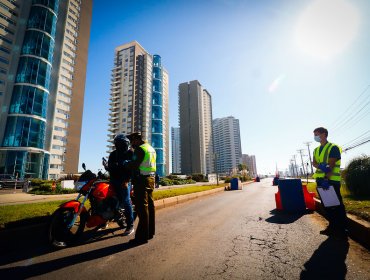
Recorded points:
(198, 177)
(36, 182)
(172, 177)
(357, 176)
(166, 182)
(73, 177)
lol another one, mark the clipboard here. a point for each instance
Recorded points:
(328, 196)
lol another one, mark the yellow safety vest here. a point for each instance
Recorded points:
(323, 157)
(148, 165)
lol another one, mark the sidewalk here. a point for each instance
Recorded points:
(19, 197)
(24, 198)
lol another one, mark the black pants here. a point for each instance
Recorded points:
(144, 206)
(336, 215)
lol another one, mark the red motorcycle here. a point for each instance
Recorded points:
(70, 219)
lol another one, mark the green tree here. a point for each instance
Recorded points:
(357, 176)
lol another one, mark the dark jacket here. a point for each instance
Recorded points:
(116, 162)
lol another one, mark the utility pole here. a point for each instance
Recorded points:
(309, 154)
(300, 152)
(295, 165)
(292, 166)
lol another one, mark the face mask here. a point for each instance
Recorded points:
(317, 138)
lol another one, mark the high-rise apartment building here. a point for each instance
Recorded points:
(227, 145)
(250, 162)
(195, 119)
(43, 58)
(176, 150)
(139, 100)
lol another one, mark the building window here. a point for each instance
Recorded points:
(28, 100)
(34, 71)
(43, 19)
(38, 44)
(24, 132)
(4, 60)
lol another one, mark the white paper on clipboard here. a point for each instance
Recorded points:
(328, 196)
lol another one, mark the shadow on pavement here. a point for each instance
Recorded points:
(33, 242)
(27, 271)
(281, 217)
(328, 261)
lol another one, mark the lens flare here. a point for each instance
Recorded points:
(276, 83)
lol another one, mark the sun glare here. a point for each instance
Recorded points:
(326, 27)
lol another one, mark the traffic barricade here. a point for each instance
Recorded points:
(292, 196)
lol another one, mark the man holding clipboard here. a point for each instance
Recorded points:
(327, 160)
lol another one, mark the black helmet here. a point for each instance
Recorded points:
(121, 140)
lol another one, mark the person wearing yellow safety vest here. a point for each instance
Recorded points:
(327, 160)
(144, 167)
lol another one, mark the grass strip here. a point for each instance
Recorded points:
(31, 213)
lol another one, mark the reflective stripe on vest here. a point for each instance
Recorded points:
(323, 157)
(148, 165)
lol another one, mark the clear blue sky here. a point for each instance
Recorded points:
(281, 67)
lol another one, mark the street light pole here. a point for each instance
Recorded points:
(15, 175)
(215, 163)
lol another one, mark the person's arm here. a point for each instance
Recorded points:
(334, 156)
(137, 159)
(314, 163)
(112, 162)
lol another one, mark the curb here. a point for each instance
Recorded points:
(170, 201)
(359, 229)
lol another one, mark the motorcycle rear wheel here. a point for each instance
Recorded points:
(59, 234)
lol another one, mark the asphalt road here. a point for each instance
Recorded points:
(229, 235)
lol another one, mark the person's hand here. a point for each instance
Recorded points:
(105, 163)
(125, 162)
(325, 168)
(325, 184)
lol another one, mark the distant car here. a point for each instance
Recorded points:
(8, 181)
(257, 179)
(275, 181)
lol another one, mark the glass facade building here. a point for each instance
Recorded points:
(139, 100)
(26, 122)
(33, 48)
(157, 114)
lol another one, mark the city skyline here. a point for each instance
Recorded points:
(254, 60)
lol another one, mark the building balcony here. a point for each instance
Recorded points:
(112, 119)
(114, 97)
(113, 129)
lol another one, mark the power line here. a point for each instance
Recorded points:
(356, 145)
(343, 124)
(356, 138)
(343, 116)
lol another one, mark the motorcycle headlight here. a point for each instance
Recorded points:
(79, 185)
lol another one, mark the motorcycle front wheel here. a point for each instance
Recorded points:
(59, 231)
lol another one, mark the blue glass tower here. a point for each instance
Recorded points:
(23, 147)
(157, 114)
